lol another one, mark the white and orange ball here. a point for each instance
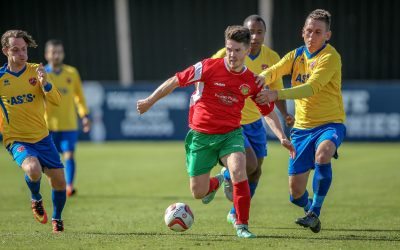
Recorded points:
(178, 217)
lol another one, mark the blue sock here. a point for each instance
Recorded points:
(58, 198)
(253, 186)
(303, 201)
(70, 171)
(227, 176)
(321, 183)
(34, 187)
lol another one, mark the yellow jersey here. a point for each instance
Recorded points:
(22, 102)
(322, 71)
(64, 116)
(266, 58)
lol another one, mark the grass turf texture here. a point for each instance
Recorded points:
(124, 189)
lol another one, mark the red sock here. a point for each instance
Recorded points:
(241, 201)
(214, 184)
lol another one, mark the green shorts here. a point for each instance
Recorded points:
(204, 150)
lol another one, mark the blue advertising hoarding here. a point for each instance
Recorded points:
(373, 113)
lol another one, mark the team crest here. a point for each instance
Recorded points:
(6, 82)
(33, 81)
(69, 80)
(245, 89)
(20, 149)
(264, 66)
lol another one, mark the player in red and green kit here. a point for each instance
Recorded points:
(255, 137)
(214, 119)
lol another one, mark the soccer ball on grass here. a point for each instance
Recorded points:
(178, 217)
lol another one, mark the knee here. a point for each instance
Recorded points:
(34, 171)
(255, 176)
(325, 152)
(323, 157)
(60, 185)
(198, 192)
(68, 155)
(295, 192)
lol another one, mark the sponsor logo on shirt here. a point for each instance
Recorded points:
(226, 98)
(20, 99)
(219, 84)
(245, 89)
(6, 82)
(302, 78)
(33, 81)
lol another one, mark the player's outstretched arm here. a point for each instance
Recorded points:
(275, 125)
(163, 90)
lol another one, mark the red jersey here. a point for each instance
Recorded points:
(216, 105)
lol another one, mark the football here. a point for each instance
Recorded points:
(178, 217)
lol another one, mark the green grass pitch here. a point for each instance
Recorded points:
(124, 189)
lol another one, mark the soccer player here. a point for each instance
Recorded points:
(319, 129)
(24, 92)
(255, 138)
(214, 119)
(62, 119)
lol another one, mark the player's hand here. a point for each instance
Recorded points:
(42, 75)
(289, 120)
(260, 80)
(289, 146)
(86, 124)
(143, 105)
(266, 96)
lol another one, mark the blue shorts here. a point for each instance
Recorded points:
(44, 150)
(306, 142)
(255, 136)
(65, 140)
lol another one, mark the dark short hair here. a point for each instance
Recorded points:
(321, 15)
(238, 34)
(17, 34)
(53, 42)
(255, 18)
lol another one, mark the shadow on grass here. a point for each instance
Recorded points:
(290, 237)
(338, 229)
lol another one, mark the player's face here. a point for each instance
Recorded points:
(17, 51)
(55, 54)
(257, 31)
(315, 34)
(236, 54)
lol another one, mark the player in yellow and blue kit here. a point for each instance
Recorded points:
(62, 120)
(255, 138)
(319, 129)
(24, 92)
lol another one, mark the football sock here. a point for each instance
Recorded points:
(303, 201)
(214, 184)
(227, 176)
(58, 198)
(321, 183)
(70, 171)
(241, 201)
(34, 187)
(252, 186)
